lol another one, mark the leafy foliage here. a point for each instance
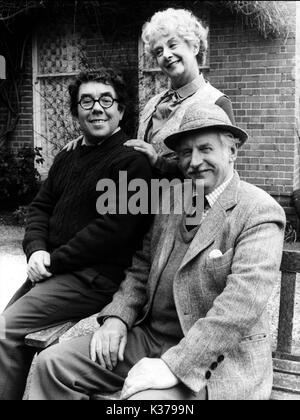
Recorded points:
(290, 233)
(19, 179)
(20, 215)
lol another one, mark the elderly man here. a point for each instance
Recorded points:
(76, 256)
(190, 319)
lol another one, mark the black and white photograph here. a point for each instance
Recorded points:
(149, 203)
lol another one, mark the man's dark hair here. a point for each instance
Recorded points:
(106, 76)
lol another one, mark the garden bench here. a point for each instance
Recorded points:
(286, 360)
(286, 385)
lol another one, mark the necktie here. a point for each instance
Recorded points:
(206, 207)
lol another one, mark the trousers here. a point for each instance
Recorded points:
(66, 372)
(63, 297)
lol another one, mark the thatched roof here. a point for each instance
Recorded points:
(271, 18)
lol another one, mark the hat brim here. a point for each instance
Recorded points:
(172, 141)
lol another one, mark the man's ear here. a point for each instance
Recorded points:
(122, 110)
(233, 153)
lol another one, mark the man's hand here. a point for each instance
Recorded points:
(108, 343)
(148, 374)
(37, 266)
(144, 147)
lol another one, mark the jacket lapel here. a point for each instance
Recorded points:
(146, 122)
(204, 237)
(163, 251)
(214, 221)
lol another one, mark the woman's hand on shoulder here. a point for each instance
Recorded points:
(69, 147)
(146, 148)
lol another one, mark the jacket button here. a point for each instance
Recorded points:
(221, 359)
(214, 366)
(208, 375)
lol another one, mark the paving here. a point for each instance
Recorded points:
(12, 262)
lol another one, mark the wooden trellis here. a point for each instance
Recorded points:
(56, 60)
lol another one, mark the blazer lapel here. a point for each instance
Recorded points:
(147, 118)
(164, 249)
(213, 222)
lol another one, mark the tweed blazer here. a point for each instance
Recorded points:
(221, 302)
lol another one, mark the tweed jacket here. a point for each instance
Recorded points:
(221, 302)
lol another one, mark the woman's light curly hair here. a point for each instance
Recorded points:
(181, 21)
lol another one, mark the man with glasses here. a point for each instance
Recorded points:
(190, 320)
(76, 256)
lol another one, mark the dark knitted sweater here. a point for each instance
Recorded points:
(63, 219)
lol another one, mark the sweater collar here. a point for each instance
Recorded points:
(119, 137)
(84, 143)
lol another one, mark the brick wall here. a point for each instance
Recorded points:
(121, 54)
(99, 51)
(17, 49)
(259, 77)
(297, 100)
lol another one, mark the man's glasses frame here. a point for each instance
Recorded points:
(104, 101)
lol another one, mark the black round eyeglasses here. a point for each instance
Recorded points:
(87, 103)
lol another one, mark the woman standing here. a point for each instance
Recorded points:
(178, 42)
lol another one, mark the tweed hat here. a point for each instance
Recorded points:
(197, 118)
